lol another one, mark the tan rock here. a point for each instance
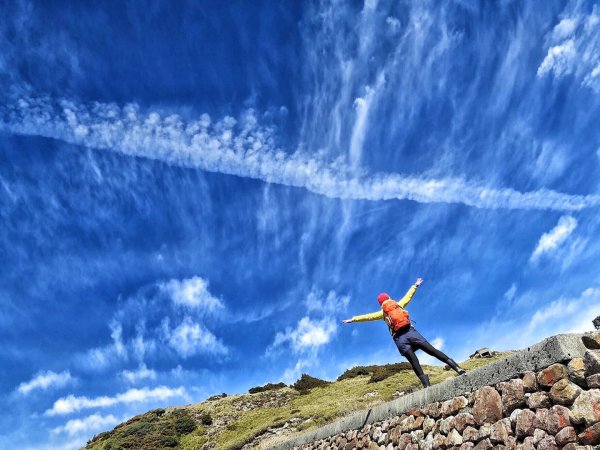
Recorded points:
(525, 423)
(462, 421)
(486, 444)
(428, 424)
(452, 406)
(530, 382)
(548, 443)
(539, 399)
(564, 392)
(471, 434)
(576, 370)
(586, 408)
(501, 430)
(454, 438)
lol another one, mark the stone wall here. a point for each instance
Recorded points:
(551, 407)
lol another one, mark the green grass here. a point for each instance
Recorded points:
(238, 419)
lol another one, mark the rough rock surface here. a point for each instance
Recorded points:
(564, 392)
(552, 374)
(487, 407)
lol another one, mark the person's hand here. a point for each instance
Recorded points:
(419, 282)
(347, 321)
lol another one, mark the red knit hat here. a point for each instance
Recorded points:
(382, 297)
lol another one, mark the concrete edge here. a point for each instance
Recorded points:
(549, 351)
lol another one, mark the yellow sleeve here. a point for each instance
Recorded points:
(367, 317)
(408, 296)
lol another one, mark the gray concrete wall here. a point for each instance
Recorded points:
(551, 350)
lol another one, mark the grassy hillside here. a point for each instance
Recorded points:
(261, 418)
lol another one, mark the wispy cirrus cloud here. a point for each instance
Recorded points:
(71, 403)
(46, 380)
(574, 46)
(248, 149)
(554, 238)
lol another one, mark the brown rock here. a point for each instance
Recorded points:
(487, 407)
(372, 446)
(513, 395)
(593, 381)
(500, 431)
(428, 424)
(576, 370)
(407, 423)
(454, 438)
(564, 392)
(525, 423)
(539, 400)
(412, 447)
(528, 444)
(552, 374)
(538, 435)
(529, 381)
(548, 443)
(432, 410)
(466, 446)
(446, 425)
(462, 420)
(418, 422)
(453, 405)
(485, 431)
(351, 444)
(404, 440)
(591, 361)
(486, 444)
(591, 435)
(566, 435)
(586, 408)
(552, 420)
(439, 441)
(470, 434)
(394, 434)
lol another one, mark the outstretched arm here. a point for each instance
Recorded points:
(378, 315)
(411, 292)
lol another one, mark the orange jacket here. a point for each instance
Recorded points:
(378, 315)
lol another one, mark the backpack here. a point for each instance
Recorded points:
(395, 316)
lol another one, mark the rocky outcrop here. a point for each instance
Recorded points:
(552, 407)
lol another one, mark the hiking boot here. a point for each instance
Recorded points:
(425, 380)
(455, 366)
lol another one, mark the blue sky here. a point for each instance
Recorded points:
(193, 195)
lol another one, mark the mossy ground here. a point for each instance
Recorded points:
(238, 419)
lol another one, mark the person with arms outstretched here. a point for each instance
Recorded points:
(406, 337)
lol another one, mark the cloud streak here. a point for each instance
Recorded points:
(247, 149)
(554, 238)
(46, 381)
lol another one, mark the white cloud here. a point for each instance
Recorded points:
(554, 238)
(574, 46)
(71, 403)
(512, 329)
(46, 380)
(438, 342)
(509, 295)
(308, 335)
(330, 304)
(87, 425)
(248, 150)
(191, 338)
(192, 293)
(142, 373)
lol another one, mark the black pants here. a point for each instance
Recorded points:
(410, 341)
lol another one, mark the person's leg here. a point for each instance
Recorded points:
(416, 365)
(431, 350)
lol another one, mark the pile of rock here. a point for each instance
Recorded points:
(558, 407)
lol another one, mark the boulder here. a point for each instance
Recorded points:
(548, 443)
(527, 444)
(530, 382)
(565, 436)
(513, 395)
(453, 405)
(552, 420)
(487, 407)
(586, 408)
(466, 446)
(538, 435)
(576, 370)
(428, 424)
(550, 375)
(525, 425)
(417, 436)
(564, 392)
(486, 444)
(462, 421)
(454, 438)
(471, 434)
(501, 430)
(439, 441)
(593, 381)
(404, 440)
(591, 361)
(539, 400)
(591, 435)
